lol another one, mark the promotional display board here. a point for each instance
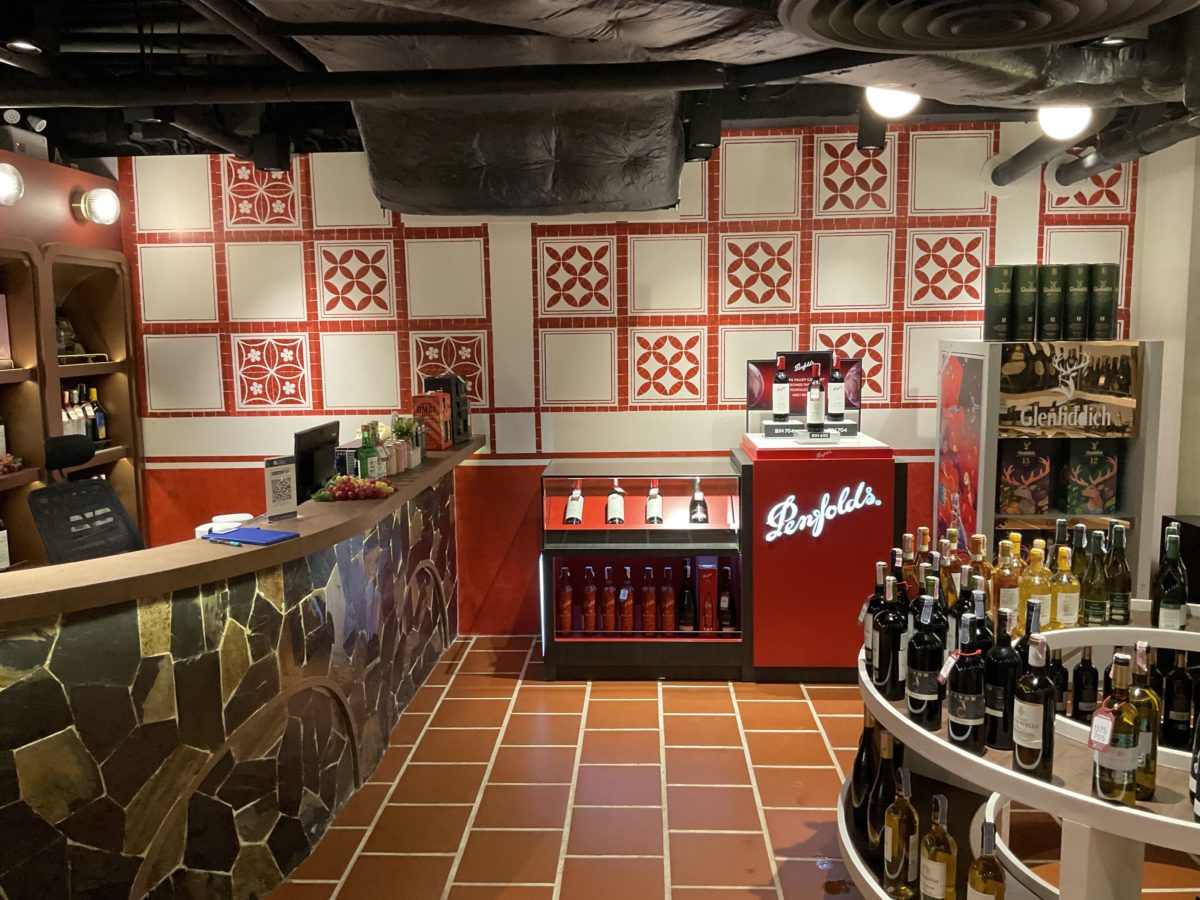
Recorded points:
(801, 364)
(960, 420)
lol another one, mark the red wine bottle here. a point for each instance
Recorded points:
(781, 394)
(687, 600)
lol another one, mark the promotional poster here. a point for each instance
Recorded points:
(960, 400)
(760, 375)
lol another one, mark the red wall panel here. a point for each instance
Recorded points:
(920, 496)
(177, 500)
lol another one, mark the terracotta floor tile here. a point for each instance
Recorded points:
(425, 699)
(408, 729)
(697, 700)
(456, 650)
(457, 713)
(764, 893)
(785, 691)
(533, 765)
(1034, 836)
(713, 859)
(1161, 875)
(712, 809)
(798, 787)
(1049, 872)
(545, 731)
(1157, 895)
(422, 877)
(830, 690)
(332, 855)
(787, 749)
(441, 673)
(629, 832)
(390, 765)
(419, 829)
(624, 690)
(803, 832)
(709, 765)
(292, 891)
(701, 731)
(846, 758)
(504, 641)
(620, 747)
(438, 784)
(503, 857)
(456, 745)
(508, 662)
(619, 785)
(846, 703)
(804, 880)
(776, 715)
(478, 685)
(535, 671)
(523, 806)
(500, 892)
(623, 714)
(360, 809)
(548, 698)
(605, 879)
(842, 732)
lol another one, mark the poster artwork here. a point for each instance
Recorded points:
(960, 419)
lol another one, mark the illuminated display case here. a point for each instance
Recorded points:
(591, 632)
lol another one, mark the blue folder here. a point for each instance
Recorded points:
(257, 537)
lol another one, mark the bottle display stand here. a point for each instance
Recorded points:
(1103, 844)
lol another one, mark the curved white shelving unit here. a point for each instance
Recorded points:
(858, 867)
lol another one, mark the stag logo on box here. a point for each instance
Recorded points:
(785, 517)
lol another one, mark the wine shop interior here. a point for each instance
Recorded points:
(562, 450)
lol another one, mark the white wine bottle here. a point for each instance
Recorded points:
(985, 877)
(614, 509)
(901, 830)
(939, 856)
(1114, 739)
(574, 513)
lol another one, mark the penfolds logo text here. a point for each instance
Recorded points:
(785, 517)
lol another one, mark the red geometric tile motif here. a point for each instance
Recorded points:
(272, 370)
(257, 199)
(578, 275)
(667, 366)
(854, 180)
(462, 353)
(355, 279)
(1102, 191)
(947, 267)
(759, 271)
(866, 343)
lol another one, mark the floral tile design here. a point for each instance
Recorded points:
(759, 272)
(870, 343)
(355, 280)
(271, 371)
(667, 366)
(1106, 191)
(462, 353)
(576, 277)
(257, 199)
(946, 268)
(853, 182)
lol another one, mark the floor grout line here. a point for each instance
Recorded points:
(664, 795)
(758, 803)
(821, 728)
(561, 864)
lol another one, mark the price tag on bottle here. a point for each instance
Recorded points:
(862, 613)
(624, 595)
(926, 613)
(1102, 729)
(951, 659)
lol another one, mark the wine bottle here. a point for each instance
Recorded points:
(781, 395)
(5, 553)
(1001, 669)
(1114, 740)
(1168, 595)
(1079, 546)
(1014, 538)
(625, 602)
(964, 695)
(1034, 584)
(909, 567)
(1085, 688)
(1120, 580)
(1032, 627)
(654, 505)
(614, 508)
(1006, 581)
(1062, 539)
(939, 855)
(862, 774)
(1149, 720)
(3, 438)
(589, 600)
(1094, 587)
(1177, 705)
(1064, 594)
(948, 577)
(726, 617)
(574, 513)
(889, 673)
(883, 795)
(1194, 769)
(985, 876)
(1058, 674)
(99, 418)
(923, 545)
(687, 600)
(982, 634)
(926, 653)
(649, 602)
(871, 608)
(698, 509)
(939, 624)
(814, 408)
(836, 399)
(608, 603)
(566, 602)
(666, 599)
(980, 564)
(1033, 715)
(901, 856)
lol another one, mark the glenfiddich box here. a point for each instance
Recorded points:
(1102, 304)
(433, 409)
(1026, 476)
(1075, 313)
(997, 303)
(1090, 475)
(1025, 299)
(1051, 297)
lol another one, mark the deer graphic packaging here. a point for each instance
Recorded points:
(1091, 477)
(1025, 476)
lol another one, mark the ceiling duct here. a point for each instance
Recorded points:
(918, 26)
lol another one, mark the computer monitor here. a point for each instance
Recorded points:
(315, 449)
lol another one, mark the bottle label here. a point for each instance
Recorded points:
(862, 612)
(1145, 745)
(973, 894)
(922, 685)
(914, 859)
(1179, 715)
(836, 401)
(1068, 608)
(902, 670)
(1119, 761)
(1101, 734)
(615, 508)
(891, 861)
(1173, 617)
(781, 399)
(1010, 598)
(965, 709)
(1027, 724)
(724, 603)
(815, 409)
(1118, 605)
(995, 699)
(3, 442)
(1044, 609)
(933, 880)
(5, 561)
(654, 507)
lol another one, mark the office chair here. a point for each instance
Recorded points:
(80, 519)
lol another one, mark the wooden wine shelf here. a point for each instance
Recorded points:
(15, 376)
(102, 458)
(85, 370)
(18, 479)
(1032, 523)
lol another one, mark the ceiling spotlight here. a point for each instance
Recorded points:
(12, 185)
(23, 46)
(1061, 123)
(12, 117)
(872, 130)
(36, 123)
(99, 205)
(892, 103)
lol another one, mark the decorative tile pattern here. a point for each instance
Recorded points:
(760, 177)
(172, 193)
(356, 280)
(183, 372)
(462, 353)
(578, 366)
(870, 343)
(1106, 191)
(667, 366)
(921, 354)
(272, 371)
(738, 343)
(758, 272)
(257, 199)
(944, 172)
(852, 270)
(668, 274)
(446, 278)
(576, 277)
(945, 268)
(360, 370)
(853, 182)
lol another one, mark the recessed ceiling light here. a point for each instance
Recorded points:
(1064, 122)
(892, 103)
(22, 45)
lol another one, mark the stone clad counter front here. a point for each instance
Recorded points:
(197, 745)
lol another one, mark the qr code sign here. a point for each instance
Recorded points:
(281, 489)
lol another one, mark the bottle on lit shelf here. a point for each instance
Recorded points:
(649, 602)
(1064, 593)
(1001, 670)
(1062, 681)
(1114, 764)
(1034, 584)
(1149, 720)
(836, 395)
(1006, 581)
(901, 833)
(908, 565)
(706, 602)
(1079, 551)
(625, 602)
(589, 600)
(864, 770)
(1094, 587)
(1085, 688)
(1177, 705)
(923, 545)
(99, 418)
(608, 603)
(985, 876)
(654, 505)
(687, 600)
(666, 600)
(3, 438)
(574, 511)
(939, 855)
(1014, 538)
(1120, 580)
(726, 614)
(781, 397)
(982, 633)
(980, 564)
(926, 654)
(1168, 594)
(1062, 538)
(698, 508)
(883, 795)
(871, 608)
(566, 602)
(889, 665)
(965, 705)
(948, 574)
(814, 407)
(614, 507)
(1032, 626)
(1033, 715)
(1108, 541)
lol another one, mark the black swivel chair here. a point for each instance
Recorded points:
(79, 519)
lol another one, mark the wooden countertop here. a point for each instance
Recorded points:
(33, 593)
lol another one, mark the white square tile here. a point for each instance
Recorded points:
(271, 371)
(739, 343)
(760, 177)
(852, 270)
(852, 182)
(1086, 244)
(463, 353)
(870, 343)
(355, 280)
(668, 274)
(693, 190)
(360, 370)
(666, 365)
(758, 272)
(342, 194)
(178, 282)
(481, 426)
(516, 433)
(183, 373)
(945, 268)
(445, 278)
(575, 276)
(945, 173)
(579, 366)
(921, 354)
(266, 281)
(172, 193)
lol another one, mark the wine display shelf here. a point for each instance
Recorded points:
(18, 479)
(643, 541)
(15, 376)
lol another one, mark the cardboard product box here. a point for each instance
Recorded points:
(1090, 476)
(433, 409)
(1025, 476)
(998, 303)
